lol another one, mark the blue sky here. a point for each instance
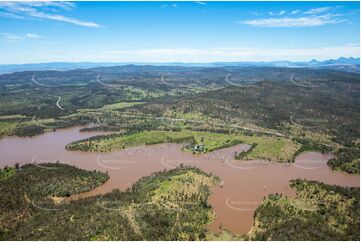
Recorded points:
(33, 32)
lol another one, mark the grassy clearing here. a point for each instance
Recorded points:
(213, 141)
(7, 128)
(134, 93)
(224, 235)
(15, 116)
(115, 142)
(269, 148)
(120, 105)
(312, 135)
(190, 116)
(112, 107)
(6, 173)
(24, 127)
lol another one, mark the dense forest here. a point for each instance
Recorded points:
(24, 189)
(168, 205)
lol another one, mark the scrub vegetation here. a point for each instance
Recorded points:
(169, 205)
(318, 212)
(24, 189)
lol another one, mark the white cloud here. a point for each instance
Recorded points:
(295, 22)
(184, 55)
(14, 37)
(9, 36)
(236, 54)
(10, 15)
(295, 12)
(38, 4)
(201, 3)
(318, 10)
(62, 18)
(173, 5)
(33, 36)
(37, 10)
(282, 12)
(255, 13)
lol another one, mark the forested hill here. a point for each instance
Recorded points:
(321, 106)
(345, 64)
(331, 106)
(202, 76)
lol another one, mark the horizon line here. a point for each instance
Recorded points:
(179, 62)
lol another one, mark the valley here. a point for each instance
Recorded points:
(234, 144)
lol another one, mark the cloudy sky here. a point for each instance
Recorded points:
(33, 32)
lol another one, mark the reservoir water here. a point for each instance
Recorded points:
(243, 184)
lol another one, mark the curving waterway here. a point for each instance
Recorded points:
(243, 185)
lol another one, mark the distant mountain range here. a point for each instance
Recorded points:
(343, 64)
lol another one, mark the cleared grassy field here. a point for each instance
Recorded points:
(115, 142)
(112, 107)
(24, 127)
(6, 128)
(15, 116)
(269, 148)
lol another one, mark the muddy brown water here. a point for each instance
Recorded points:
(243, 185)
